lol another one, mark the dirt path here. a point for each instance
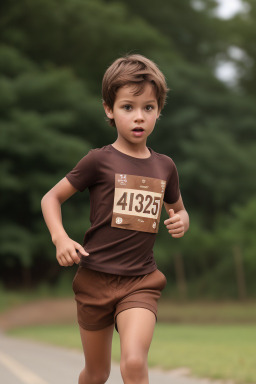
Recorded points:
(48, 311)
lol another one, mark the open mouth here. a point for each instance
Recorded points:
(138, 130)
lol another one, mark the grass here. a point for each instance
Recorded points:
(219, 352)
(207, 312)
(10, 299)
(213, 339)
(13, 298)
(214, 351)
(175, 312)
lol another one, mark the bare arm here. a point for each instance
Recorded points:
(178, 222)
(51, 207)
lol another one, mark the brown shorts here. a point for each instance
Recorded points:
(102, 296)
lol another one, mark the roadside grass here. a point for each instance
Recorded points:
(213, 339)
(226, 352)
(13, 298)
(10, 299)
(191, 312)
(207, 312)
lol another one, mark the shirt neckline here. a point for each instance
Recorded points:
(132, 157)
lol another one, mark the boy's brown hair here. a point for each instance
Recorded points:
(133, 70)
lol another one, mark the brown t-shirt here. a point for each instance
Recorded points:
(126, 197)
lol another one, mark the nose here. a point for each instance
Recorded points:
(139, 116)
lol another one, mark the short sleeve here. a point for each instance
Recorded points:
(83, 175)
(172, 190)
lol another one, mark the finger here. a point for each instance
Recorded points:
(81, 249)
(73, 253)
(176, 231)
(178, 235)
(172, 219)
(60, 261)
(58, 257)
(74, 256)
(63, 261)
(68, 259)
(171, 212)
(176, 225)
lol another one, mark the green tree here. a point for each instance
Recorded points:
(52, 57)
(242, 34)
(37, 149)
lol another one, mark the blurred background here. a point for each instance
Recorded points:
(53, 54)
(52, 58)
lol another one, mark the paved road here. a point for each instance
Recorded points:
(27, 362)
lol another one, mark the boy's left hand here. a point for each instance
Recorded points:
(175, 224)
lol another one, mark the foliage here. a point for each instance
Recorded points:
(52, 57)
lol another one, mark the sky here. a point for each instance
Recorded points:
(228, 8)
(226, 71)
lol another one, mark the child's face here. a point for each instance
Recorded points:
(135, 116)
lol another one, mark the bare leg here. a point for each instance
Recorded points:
(97, 351)
(136, 328)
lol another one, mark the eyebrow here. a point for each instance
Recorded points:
(130, 101)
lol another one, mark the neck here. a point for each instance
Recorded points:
(132, 149)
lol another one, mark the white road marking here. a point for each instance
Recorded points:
(19, 370)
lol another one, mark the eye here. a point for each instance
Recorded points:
(127, 107)
(149, 107)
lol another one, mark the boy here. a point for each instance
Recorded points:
(117, 282)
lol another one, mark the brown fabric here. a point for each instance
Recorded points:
(101, 296)
(126, 196)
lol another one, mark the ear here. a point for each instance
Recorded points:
(108, 111)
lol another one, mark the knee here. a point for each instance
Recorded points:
(99, 377)
(133, 367)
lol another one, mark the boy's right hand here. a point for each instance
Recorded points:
(66, 251)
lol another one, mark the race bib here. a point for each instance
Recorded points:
(138, 203)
